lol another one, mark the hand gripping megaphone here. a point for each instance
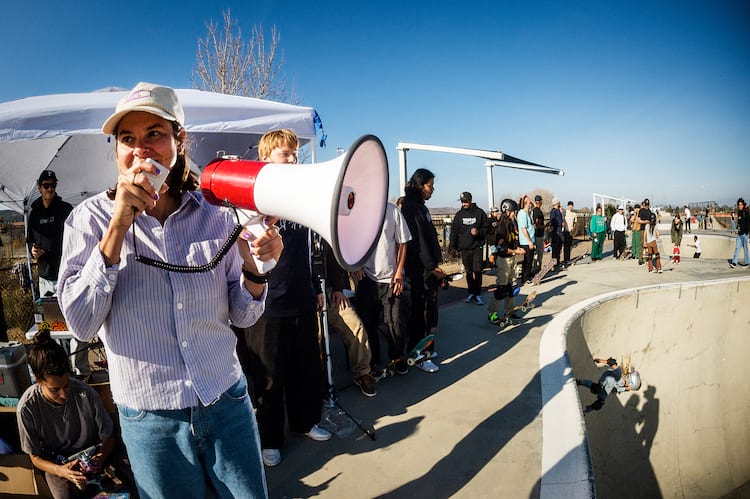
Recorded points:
(343, 199)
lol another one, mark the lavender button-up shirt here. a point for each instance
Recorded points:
(167, 334)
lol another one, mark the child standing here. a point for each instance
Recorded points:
(652, 234)
(676, 254)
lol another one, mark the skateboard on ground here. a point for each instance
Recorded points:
(543, 272)
(422, 351)
(387, 371)
(526, 305)
(585, 258)
(446, 281)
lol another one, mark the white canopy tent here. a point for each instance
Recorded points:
(62, 132)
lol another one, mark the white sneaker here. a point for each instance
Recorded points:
(318, 434)
(427, 366)
(478, 300)
(469, 299)
(271, 457)
(660, 271)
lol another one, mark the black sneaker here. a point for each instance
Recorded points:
(732, 264)
(366, 385)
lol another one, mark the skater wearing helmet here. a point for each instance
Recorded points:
(504, 252)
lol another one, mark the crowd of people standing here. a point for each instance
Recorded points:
(217, 367)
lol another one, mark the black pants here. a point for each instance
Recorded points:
(282, 362)
(567, 245)
(378, 306)
(619, 243)
(472, 261)
(423, 317)
(557, 243)
(528, 260)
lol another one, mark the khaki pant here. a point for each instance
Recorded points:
(347, 324)
(506, 274)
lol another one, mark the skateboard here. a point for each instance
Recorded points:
(585, 258)
(388, 370)
(543, 272)
(445, 281)
(526, 305)
(422, 351)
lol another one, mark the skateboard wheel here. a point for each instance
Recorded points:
(524, 308)
(410, 362)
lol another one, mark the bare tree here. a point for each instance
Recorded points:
(228, 64)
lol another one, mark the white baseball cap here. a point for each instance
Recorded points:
(150, 98)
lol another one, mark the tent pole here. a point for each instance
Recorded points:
(28, 253)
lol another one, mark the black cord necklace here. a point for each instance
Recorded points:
(171, 267)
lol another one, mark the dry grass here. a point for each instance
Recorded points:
(17, 304)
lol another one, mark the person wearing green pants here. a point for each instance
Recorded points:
(598, 227)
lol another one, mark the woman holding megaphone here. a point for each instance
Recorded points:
(185, 414)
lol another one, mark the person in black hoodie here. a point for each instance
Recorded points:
(423, 257)
(467, 237)
(45, 234)
(45, 240)
(743, 227)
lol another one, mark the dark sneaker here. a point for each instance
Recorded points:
(366, 385)
(732, 264)
(401, 367)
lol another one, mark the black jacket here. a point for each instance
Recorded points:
(46, 231)
(292, 287)
(472, 217)
(423, 252)
(743, 221)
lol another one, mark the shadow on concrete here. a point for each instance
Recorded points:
(448, 475)
(466, 342)
(620, 437)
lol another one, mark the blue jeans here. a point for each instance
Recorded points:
(182, 453)
(741, 242)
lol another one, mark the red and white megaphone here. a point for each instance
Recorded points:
(343, 199)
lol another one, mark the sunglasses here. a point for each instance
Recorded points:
(49, 186)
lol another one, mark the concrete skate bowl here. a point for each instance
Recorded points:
(686, 432)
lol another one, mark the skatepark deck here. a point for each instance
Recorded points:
(490, 423)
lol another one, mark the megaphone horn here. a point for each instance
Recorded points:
(343, 199)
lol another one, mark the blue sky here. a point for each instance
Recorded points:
(635, 99)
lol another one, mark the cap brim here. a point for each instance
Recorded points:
(109, 126)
